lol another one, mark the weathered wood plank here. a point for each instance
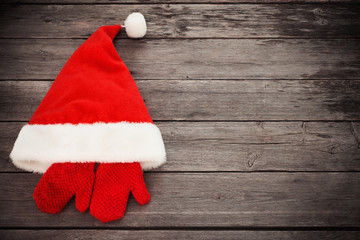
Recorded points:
(177, 1)
(355, 130)
(185, 21)
(207, 200)
(194, 59)
(215, 100)
(242, 146)
(175, 234)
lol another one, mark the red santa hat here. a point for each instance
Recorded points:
(93, 112)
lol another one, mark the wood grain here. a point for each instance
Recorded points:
(175, 234)
(242, 146)
(171, 59)
(170, 1)
(206, 200)
(201, 100)
(185, 20)
(258, 105)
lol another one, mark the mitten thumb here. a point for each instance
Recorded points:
(140, 193)
(83, 194)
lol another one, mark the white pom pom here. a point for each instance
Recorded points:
(135, 25)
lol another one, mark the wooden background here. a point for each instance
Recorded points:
(258, 103)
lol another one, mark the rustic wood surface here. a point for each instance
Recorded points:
(170, 59)
(207, 200)
(170, 1)
(258, 103)
(185, 21)
(175, 234)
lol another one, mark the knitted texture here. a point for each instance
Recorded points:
(61, 182)
(114, 181)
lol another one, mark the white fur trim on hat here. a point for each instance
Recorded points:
(39, 146)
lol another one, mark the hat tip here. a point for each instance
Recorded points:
(135, 25)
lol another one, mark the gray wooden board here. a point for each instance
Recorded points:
(169, 59)
(206, 200)
(242, 146)
(185, 21)
(175, 234)
(172, 1)
(232, 100)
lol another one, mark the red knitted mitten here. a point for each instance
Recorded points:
(113, 183)
(61, 182)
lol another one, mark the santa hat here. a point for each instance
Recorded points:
(93, 112)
